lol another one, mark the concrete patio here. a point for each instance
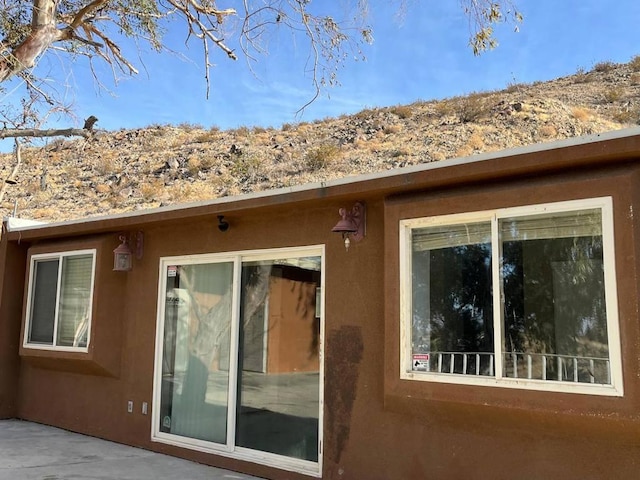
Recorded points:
(30, 451)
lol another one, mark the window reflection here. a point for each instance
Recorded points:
(452, 302)
(196, 351)
(279, 381)
(554, 309)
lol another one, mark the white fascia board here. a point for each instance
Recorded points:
(14, 223)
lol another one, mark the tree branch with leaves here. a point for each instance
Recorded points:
(98, 29)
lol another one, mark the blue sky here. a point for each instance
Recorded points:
(425, 56)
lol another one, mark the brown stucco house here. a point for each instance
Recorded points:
(471, 318)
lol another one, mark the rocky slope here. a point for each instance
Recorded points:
(160, 165)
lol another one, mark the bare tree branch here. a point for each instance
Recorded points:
(79, 17)
(38, 133)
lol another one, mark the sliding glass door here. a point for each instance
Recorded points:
(238, 368)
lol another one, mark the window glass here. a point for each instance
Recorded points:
(75, 300)
(43, 302)
(544, 268)
(555, 320)
(60, 302)
(452, 325)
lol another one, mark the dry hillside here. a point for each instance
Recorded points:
(160, 165)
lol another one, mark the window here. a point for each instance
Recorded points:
(238, 369)
(59, 300)
(518, 297)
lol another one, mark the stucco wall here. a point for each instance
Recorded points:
(375, 425)
(12, 262)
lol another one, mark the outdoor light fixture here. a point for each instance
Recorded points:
(352, 224)
(123, 255)
(223, 225)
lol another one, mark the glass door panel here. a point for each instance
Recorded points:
(195, 361)
(278, 380)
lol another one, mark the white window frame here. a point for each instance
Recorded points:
(605, 204)
(27, 325)
(230, 449)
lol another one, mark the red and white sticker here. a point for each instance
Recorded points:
(420, 361)
(172, 271)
